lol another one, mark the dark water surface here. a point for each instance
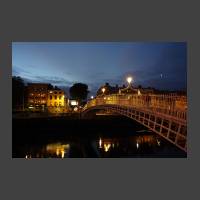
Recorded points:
(95, 138)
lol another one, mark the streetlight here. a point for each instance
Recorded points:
(129, 79)
(92, 97)
(103, 90)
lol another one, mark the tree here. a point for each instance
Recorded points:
(79, 92)
(50, 87)
(18, 90)
(57, 88)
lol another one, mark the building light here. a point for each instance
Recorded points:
(74, 103)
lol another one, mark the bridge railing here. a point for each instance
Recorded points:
(171, 105)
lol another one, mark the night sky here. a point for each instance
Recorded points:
(155, 64)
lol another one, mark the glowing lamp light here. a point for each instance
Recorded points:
(92, 97)
(103, 90)
(129, 79)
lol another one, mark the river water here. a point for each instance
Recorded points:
(113, 137)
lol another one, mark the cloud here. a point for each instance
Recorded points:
(17, 71)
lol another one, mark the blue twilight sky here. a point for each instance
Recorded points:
(162, 65)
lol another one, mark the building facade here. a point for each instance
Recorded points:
(57, 101)
(42, 97)
(37, 95)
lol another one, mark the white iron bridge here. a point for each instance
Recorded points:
(165, 115)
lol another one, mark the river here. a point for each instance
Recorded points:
(101, 137)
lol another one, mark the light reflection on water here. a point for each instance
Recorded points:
(133, 143)
(58, 148)
(128, 146)
(55, 150)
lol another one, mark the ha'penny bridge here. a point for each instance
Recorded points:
(165, 115)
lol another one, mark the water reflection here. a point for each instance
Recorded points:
(139, 145)
(58, 149)
(106, 147)
(144, 144)
(113, 143)
(52, 150)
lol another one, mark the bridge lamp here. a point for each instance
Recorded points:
(92, 97)
(129, 79)
(103, 90)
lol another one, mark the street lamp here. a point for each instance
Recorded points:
(103, 90)
(129, 79)
(92, 97)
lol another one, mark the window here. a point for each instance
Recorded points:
(50, 96)
(59, 103)
(59, 92)
(55, 92)
(55, 96)
(59, 97)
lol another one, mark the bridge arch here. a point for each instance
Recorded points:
(170, 125)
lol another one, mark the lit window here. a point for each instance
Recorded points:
(59, 97)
